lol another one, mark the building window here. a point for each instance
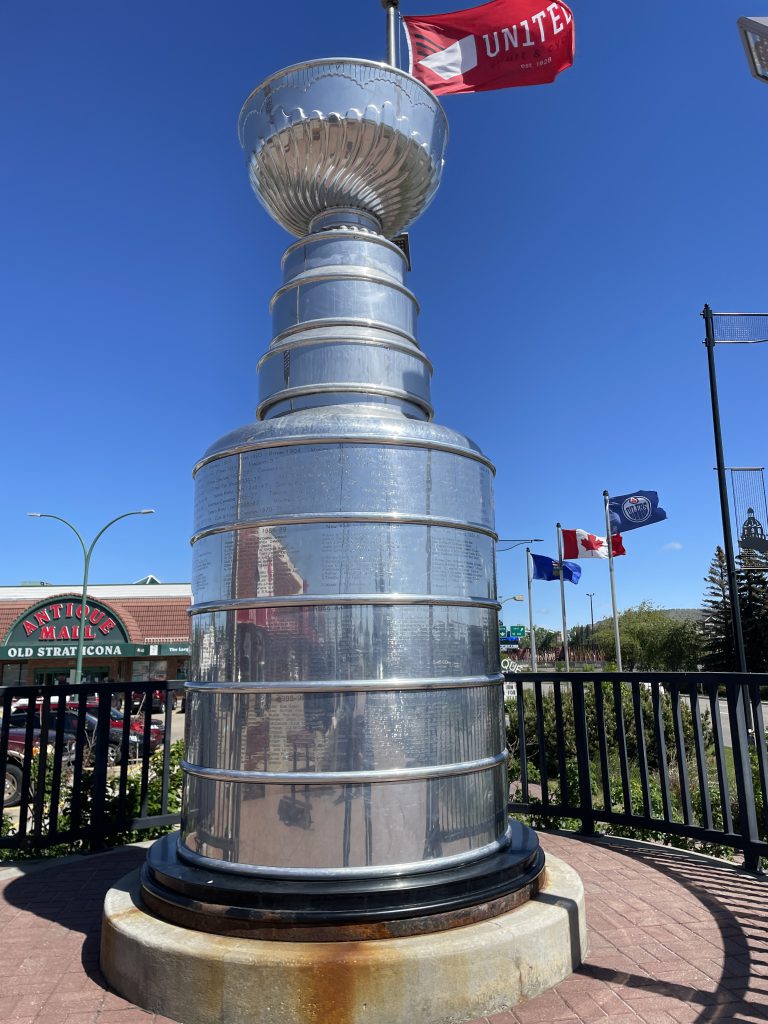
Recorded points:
(14, 674)
(149, 671)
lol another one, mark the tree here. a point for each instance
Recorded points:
(718, 654)
(545, 639)
(651, 640)
(580, 636)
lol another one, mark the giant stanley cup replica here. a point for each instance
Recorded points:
(345, 772)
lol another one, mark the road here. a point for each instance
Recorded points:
(726, 725)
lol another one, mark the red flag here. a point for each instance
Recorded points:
(501, 44)
(580, 544)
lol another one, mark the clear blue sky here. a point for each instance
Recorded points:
(579, 230)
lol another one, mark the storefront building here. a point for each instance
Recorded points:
(134, 632)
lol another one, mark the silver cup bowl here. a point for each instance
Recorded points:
(343, 133)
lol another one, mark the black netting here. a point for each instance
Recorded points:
(751, 513)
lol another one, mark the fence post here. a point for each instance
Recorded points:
(582, 756)
(745, 791)
(99, 753)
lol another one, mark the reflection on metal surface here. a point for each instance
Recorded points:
(346, 710)
(380, 731)
(350, 829)
(348, 517)
(394, 477)
(352, 642)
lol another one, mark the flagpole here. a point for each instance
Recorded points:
(562, 595)
(530, 611)
(609, 541)
(391, 9)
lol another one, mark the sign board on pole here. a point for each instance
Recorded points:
(519, 631)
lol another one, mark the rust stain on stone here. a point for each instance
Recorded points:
(338, 984)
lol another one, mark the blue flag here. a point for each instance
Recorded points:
(631, 511)
(545, 568)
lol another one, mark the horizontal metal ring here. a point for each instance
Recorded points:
(375, 518)
(410, 868)
(356, 778)
(290, 346)
(318, 439)
(343, 273)
(335, 600)
(351, 388)
(348, 685)
(350, 321)
(354, 233)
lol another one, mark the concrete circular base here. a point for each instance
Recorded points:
(440, 978)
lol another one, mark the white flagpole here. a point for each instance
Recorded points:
(530, 610)
(562, 596)
(609, 541)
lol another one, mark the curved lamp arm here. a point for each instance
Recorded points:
(87, 552)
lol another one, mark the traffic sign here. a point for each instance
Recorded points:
(502, 629)
(519, 631)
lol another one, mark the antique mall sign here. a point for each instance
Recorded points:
(50, 628)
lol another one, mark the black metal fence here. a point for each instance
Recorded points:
(669, 754)
(81, 767)
(681, 754)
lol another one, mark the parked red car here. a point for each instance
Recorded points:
(158, 700)
(116, 718)
(156, 731)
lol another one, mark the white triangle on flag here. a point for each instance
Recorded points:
(456, 59)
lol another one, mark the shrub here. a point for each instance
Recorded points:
(116, 809)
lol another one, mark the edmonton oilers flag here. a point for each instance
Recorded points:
(545, 568)
(631, 511)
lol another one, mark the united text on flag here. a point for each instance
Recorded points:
(500, 44)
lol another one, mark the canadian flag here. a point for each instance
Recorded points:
(500, 44)
(580, 544)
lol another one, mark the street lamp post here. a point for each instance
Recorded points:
(87, 552)
(731, 329)
(514, 543)
(591, 617)
(730, 561)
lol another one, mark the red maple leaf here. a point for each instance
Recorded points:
(591, 542)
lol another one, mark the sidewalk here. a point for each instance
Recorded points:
(673, 938)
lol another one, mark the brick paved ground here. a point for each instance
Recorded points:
(673, 938)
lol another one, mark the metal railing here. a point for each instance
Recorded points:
(658, 752)
(661, 753)
(78, 773)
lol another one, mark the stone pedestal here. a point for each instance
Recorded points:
(440, 978)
